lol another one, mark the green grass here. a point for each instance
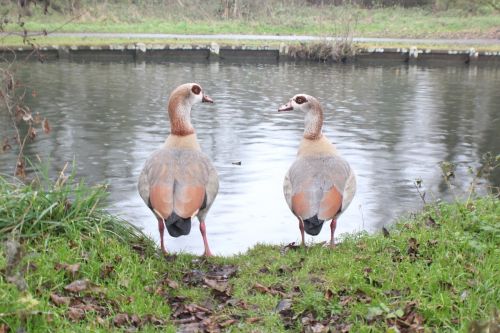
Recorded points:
(41, 41)
(446, 282)
(319, 21)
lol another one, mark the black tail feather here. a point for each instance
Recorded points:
(313, 225)
(178, 226)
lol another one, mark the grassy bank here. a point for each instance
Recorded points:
(75, 268)
(16, 41)
(278, 19)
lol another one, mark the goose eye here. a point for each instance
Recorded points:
(300, 100)
(196, 89)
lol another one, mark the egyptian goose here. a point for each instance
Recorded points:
(320, 184)
(178, 181)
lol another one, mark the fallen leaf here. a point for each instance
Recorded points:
(252, 320)
(59, 300)
(171, 283)
(121, 319)
(46, 126)
(6, 145)
(75, 314)
(227, 323)
(431, 223)
(328, 294)
(32, 133)
(284, 308)
(193, 277)
(385, 232)
(222, 272)
(152, 320)
(71, 269)
(220, 286)
(106, 271)
(266, 290)
(78, 285)
(413, 248)
(284, 305)
(20, 168)
(286, 248)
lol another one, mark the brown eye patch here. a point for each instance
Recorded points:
(196, 89)
(300, 99)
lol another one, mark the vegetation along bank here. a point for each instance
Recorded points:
(67, 265)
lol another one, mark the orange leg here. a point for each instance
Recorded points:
(333, 226)
(301, 227)
(203, 230)
(161, 228)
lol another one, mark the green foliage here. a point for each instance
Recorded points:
(57, 208)
(437, 271)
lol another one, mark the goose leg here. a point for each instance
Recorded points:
(333, 226)
(161, 228)
(301, 227)
(203, 230)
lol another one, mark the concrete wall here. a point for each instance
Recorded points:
(214, 52)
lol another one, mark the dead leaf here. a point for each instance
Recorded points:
(106, 271)
(20, 168)
(32, 133)
(222, 272)
(431, 223)
(220, 286)
(75, 314)
(59, 300)
(78, 285)
(266, 290)
(328, 294)
(193, 277)
(385, 232)
(286, 248)
(252, 320)
(6, 145)
(284, 305)
(413, 247)
(284, 308)
(46, 126)
(227, 323)
(121, 319)
(72, 269)
(171, 283)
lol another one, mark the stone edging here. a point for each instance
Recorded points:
(164, 52)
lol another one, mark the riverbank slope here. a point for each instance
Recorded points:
(73, 267)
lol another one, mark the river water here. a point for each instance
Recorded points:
(393, 124)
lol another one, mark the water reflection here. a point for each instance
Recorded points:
(393, 124)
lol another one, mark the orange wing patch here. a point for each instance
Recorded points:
(188, 199)
(300, 204)
(162, 201)
(330, 204)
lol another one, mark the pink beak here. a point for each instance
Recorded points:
(206, 99)
(286, 107)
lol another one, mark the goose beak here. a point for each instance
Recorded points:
(206, 99)
(286, 107)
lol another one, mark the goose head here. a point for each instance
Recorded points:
(180, 102)
(312, 110)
